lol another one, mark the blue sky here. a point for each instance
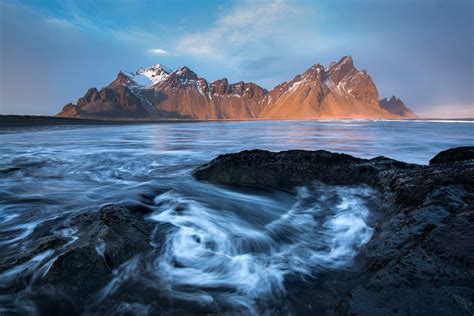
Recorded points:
(53, 51)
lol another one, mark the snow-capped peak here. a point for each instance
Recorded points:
(155, 74)
(155, 68)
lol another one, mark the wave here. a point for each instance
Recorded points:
(215, 259)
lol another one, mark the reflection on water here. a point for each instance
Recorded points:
(227, 248)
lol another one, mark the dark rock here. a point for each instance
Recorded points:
(48, 242)
(453, 154)
(79, 272)
(288, 169)
(44, 302)
(419, 260)
(122, 232)
(107, 239)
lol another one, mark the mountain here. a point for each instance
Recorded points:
(340, 91)
(396, 106)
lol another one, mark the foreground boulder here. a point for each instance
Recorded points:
(288, 169)
(453, 154)
(420, 260)
(107, 238)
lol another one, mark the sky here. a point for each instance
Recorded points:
(422, 51)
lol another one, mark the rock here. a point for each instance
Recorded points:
(420, 258)
(39, 245)
(107, 239)
(121, 233)
(453, 154)
(287, 169)
(79, 272)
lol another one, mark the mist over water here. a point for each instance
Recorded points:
(213, 247)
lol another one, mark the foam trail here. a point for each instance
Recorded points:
(212, 257)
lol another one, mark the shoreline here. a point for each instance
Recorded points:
(39, 120)
(416, 260)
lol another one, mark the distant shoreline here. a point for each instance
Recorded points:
(37, 120)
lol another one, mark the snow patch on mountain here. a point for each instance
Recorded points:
(154, 74)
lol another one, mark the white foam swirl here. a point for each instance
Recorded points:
(214, 257)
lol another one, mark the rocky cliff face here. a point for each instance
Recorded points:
(340, 91)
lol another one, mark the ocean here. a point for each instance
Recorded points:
(230, 248)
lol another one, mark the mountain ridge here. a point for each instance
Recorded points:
(340, 91)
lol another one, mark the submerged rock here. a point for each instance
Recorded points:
(420, 259)
(107, 238)
(79, 272)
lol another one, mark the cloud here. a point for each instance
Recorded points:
(249, 27)
(445, 110)
(58, 22)
(158, 51)
(74, 21)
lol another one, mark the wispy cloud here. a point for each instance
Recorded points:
(159, 51)
(247, 24)
(262, 41)
(58, 22)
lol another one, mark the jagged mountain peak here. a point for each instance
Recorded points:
(155, 74)
(394, 98)
(157, 68)
(222, 80)
(337, 71)
(396, 106)
(338, 91)
(123, 79)
(186, 73)
(315, 71)
(345, 60)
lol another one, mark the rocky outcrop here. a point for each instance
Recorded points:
(396, 106)
(420, 258)
(340, 91)
(453, 154)
(288, 169)
(106, 239)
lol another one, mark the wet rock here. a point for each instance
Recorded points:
(420, 259)
(107, 238)
(49, 242)
(453, 154)
(117, 232)
(288, 169)
(79, 272)
(42, 302)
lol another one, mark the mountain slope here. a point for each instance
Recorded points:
(341, 91)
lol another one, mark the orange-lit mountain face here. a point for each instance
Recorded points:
(340, 91)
